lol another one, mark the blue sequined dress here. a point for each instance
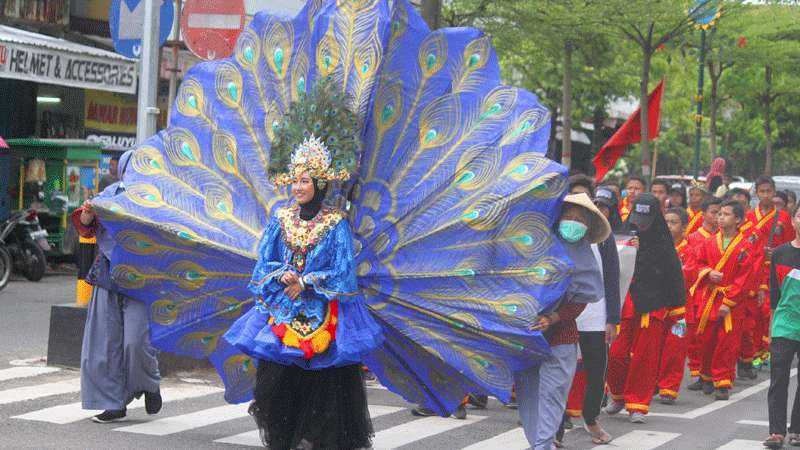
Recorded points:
(329, 324)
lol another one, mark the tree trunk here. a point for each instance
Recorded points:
(767, 103)
(432, 13)
(566, 108)
(644, 104)
(552, 147)
(597, 125)
(714, 74)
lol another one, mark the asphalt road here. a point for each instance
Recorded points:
(39, 406)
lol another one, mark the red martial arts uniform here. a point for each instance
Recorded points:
(695, 220)
(721, 338)
(694, 344)
(782, 232)
(673, 356)
(633, 360)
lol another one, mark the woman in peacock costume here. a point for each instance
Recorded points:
(451, 203)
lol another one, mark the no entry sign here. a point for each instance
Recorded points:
(210, 27)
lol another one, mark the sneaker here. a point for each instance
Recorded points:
(708, 387)
(152, 402)
(722, 394)
(460, 413)
(567, 424)
(478, 401)
(614, 407)
(637, 417)
(666, 400)
(421, 411)
(512, 405)
(696, 386)
(746, 371)
(110, 416)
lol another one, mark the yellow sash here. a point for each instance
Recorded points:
(726, 255)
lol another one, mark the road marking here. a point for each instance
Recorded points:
(711, 407)
(510, 440)
(253, 439)
(419, 429)
(742, 444)
(184, 422)
(73, 412)
(24, 372)
(640, 440)
(39, 390)
(758, 423)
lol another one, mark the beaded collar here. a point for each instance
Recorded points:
(301, 236)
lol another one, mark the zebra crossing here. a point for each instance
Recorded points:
(47, 395)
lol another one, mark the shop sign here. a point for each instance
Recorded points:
(110, 112)
(24, 62)
(53, 12)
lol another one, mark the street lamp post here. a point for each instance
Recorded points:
(704, 15)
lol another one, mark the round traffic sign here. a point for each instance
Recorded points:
(210, 27)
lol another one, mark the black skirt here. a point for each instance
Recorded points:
(311, 409)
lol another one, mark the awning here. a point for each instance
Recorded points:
(45, 59)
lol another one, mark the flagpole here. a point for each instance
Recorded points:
(147, 113)
(698, 118)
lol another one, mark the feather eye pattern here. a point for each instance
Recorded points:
(452, 165)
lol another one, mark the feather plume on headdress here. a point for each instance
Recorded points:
(319, 135)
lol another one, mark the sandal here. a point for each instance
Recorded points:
(793, 439)
(774, 441)
(601, 439)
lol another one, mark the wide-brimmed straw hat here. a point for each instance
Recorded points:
(599, 229)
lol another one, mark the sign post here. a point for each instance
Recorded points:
(148, 79)
(126, 21)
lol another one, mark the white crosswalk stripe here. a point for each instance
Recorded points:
(252, 438)
(510, 440)
(416, 430)
(39, 391)
(177, 424)
(73, 412)
(640, 440)
(742, 444)
(24, 372)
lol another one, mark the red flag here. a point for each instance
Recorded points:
(629, 133)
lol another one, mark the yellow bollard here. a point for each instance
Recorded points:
(84, 255)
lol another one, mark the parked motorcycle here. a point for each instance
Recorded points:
(26, 242)
(5, 266)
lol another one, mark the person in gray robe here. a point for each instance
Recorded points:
(118, 363)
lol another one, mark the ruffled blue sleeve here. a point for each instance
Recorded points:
(270, 266)
(338, 279)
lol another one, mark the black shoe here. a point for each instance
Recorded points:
(478, 401)
(110, 416)
(696, 386)
(460, 413)
(567, 423)
(666, 400)
(722, 394)
(152, 402)
(708, 387)
(421, 411)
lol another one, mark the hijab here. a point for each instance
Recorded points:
(309, 210)
(658, 275)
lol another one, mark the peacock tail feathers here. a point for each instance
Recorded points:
(452, 202)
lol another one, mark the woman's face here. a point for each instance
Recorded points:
(303, 189)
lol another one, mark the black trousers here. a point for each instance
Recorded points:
(782, 353)
(594, 352)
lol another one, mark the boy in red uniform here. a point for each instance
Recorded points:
(694, 241)
(673, 356)
(725, 264)
(771, 228)
(697, 194)
(634, 187)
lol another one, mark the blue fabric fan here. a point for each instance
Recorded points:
(452, 208)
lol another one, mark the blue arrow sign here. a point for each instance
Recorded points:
(126, 21)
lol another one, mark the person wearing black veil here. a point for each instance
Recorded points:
(657, 286)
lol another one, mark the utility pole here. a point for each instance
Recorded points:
(432, 13)
(148, 76)
(173, 75)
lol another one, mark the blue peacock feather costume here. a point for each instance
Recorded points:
(451, 207)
